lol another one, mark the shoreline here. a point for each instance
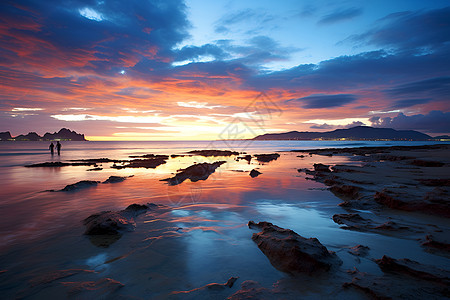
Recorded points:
(361, 231)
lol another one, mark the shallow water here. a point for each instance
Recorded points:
(202, 238)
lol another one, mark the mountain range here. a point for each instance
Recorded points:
(354, 133)
(63, 135)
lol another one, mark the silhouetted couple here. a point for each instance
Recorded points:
(52, 147)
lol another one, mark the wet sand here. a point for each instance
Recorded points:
(198, 239)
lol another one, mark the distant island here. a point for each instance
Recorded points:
(354, 133)
(63, 135)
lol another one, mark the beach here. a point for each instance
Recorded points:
(70, 228)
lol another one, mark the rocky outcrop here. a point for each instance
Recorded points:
(267, 157)
(414, 269)
(253, 290)
(254, 173)
(149, 161)
(247, 157)
(101, 289)
(359, 250)
(210, 287)
(5, 136)
(291, 253)
(79, 185)
(194, 173)
(115, 222)
(207, 153)
(115, 179)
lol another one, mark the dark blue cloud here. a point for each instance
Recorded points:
(340, 15)
(325, 101)
(411, 31)
(439, 86)
(434, 122)
(409, 102)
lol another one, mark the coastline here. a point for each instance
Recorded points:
(354, 177)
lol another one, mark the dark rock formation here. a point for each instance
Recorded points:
(359, 250)
(267, 157)
(433, 243)
(115, 179)
(427, 163)
(254, 173)
(207, 153)
(414, 269)
(65, 135)
(345, 191)
(5, 136)
(58, 164)
(194, 173)
(291, 253)
(248, 158)
(115, 222)
(101, 289)
(210, 287)
(321, 168)
(253, 290)
(150, 162)
(79, 185)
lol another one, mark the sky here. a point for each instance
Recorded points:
(206, 70)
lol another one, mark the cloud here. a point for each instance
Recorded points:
(434, 122)
(322, 126)
(438, 86)
(325, 101)
(421, 31)
(409, 102)
(232, 19)
(340, 15)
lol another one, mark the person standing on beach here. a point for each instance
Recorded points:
(58, 147)
(51, 147)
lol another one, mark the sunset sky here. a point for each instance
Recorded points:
(198, 69)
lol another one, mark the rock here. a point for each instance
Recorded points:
(95, 169)
(427, 163)
(322, 168)
(252, 290)
(115, 179)
(114, 222)
(414, 269)
(151, 161)
(150, 156)
(344, 190)
(254, 173)
(102, 288)
(207, 153)
(211, 287)
(194, 173)
(432, 242)
(301, 156)
(359, 250)
(79, 185)
(267, 157)
(56, 275)
(248, 158)
(352, 221)
(48, 164)
(291, 253)
(434, 202)
(435, 182)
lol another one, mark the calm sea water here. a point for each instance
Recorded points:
(203, 238)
